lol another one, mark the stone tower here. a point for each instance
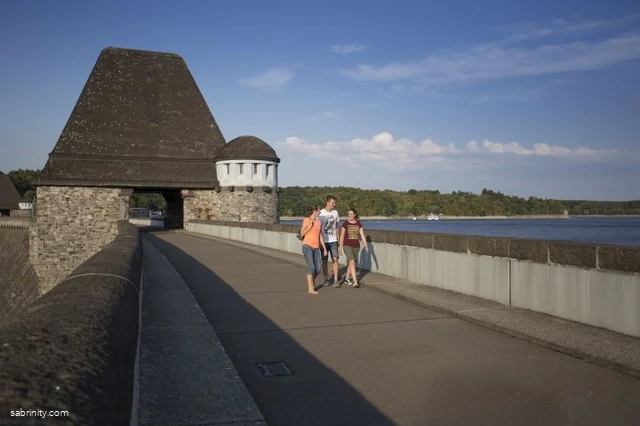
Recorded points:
(247, 169)
(140, 124)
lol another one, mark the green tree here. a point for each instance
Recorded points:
(150, 201)
(28, 196)
(294, 201)
(23, 181)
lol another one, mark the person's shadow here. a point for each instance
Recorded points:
(367, 260)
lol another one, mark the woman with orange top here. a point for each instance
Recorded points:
(311, 242)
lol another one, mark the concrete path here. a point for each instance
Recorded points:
(361, 357)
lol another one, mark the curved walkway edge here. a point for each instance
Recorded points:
(185, 375)
(599, 346)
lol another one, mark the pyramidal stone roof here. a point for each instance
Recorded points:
(9, 195)
(140, 121)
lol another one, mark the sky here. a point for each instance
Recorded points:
(527, 98)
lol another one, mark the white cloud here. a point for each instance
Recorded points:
(344, 49)
(384, 151)
(489, 62)
(561, 27)
(500, 148)
(540, 149)
(274, 77)
(326, 114)
(509, 57)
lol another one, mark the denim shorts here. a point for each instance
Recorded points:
(331, 248)
(313, 259)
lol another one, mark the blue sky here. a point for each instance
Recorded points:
(531, 99)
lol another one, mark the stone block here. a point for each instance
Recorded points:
(573, 254)
(615, 258)
(396, 237)
(531, 250)
(454, 243)
(375, 235)
(489, 246)
(418, 239)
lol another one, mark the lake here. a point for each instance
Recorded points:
(600, 230)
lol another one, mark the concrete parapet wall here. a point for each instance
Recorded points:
(145, 221)
(592, 284)
(74, 348)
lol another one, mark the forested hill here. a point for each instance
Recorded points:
(295, 199)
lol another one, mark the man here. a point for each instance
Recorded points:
(329, 219)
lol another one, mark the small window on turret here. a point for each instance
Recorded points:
(255, 168)
(241, 168)
(268, 170)
(227, 169)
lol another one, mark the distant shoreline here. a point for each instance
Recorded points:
(557, 216)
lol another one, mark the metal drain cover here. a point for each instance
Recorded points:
(274, 369)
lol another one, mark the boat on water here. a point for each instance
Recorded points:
(434, 216)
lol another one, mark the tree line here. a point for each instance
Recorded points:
(294, 200)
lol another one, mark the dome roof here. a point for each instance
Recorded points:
(247, 148)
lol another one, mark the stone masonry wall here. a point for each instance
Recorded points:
(242, 206)
(73, 223)
(20, 213)
(200, 205)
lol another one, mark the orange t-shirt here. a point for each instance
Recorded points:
(312, 238)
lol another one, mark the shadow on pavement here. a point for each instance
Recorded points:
(367, 260)
(313, 395)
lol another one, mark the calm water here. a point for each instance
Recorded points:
(602, 230)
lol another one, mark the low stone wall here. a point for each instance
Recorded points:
(18, 279)
(593, 284)
(21, 213)
(74, 349)
(15, 222)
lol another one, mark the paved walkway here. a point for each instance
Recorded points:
(361, 357)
